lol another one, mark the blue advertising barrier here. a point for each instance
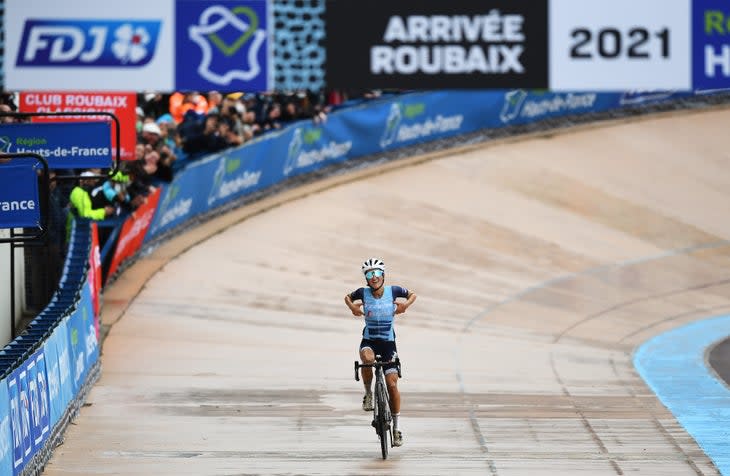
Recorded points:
(66, 387)
(20, 417)
(56, 405)
(19, 202)
(6, 434)
(83, 349)
(38, 396)
(369, 128)
(59, 143)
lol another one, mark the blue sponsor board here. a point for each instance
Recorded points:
(91, 345)
(710, 44)
(53, 379)
(38, 396)
(6, 433)
(88, 43)
(20, 417)
(222, 45)
(65, 373)
(77, 329)
(19, 204)
(65, 145)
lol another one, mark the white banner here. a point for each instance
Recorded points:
(89, 44)
(619, 45)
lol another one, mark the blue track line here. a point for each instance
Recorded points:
(674, 364)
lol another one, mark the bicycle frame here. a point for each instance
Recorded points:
(382, 417)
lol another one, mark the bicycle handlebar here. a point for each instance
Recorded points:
(377, 364)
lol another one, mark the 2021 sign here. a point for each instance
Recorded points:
(620, 45)
(636, 43)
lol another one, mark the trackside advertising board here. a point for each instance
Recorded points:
(65, 145)
(19, 203)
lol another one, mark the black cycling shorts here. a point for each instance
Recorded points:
(386, 349)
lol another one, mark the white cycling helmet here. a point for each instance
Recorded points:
(373, 263)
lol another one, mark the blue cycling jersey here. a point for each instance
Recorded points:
(379, 312)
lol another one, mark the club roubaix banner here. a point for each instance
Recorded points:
(65, 145)
(122, 105)
(19, 204)
(436, 44)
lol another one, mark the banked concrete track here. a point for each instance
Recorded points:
(541, 263)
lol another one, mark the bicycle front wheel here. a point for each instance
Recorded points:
(383, 421)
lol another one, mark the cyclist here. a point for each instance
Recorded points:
(379, 306)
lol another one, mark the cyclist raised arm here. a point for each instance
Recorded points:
(377, 303)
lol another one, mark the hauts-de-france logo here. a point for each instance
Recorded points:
(392, 123)
(230, 40)
(88, 43)
(5, 144)
(231, 179)
(513, 101)
(311, 146)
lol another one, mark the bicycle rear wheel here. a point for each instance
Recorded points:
(383, 421)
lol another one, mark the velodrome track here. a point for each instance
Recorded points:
(541, 264)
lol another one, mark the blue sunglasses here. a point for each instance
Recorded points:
(373, 272)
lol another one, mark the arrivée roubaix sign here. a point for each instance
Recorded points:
(437, 44)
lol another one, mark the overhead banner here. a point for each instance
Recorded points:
(19, 203)
(436, 44)
(264, 45)
(222, 45)
(122, 105)
(65, 145)
(72, 45)
(711, 44)
(620, 45)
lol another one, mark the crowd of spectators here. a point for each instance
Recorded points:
(200, 123)
(173, 129)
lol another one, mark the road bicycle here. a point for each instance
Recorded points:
(382, 418)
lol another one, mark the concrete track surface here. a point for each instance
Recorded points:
(541, 263)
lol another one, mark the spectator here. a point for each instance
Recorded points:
(139, 151)
(272, 120)
(80, 199)
(215, 99)
(206, 140)
(151, 134)
(181, 103)
(80, 202)
(140, 182)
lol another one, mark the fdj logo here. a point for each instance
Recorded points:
(230, 41)
(95, 43)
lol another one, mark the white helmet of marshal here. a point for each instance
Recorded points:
(373, 263)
